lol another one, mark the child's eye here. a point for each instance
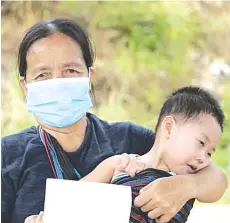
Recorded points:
(201, 143)
(209, 154)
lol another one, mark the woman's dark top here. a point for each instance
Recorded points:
(25, 166)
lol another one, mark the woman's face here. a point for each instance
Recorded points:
(56, 56)
(191, 144)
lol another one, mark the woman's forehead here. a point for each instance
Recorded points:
(57, 44)
(55, 38)
(57, 48)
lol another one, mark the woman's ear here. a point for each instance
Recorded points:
(167, 126)
(92, 71)
(22, 83)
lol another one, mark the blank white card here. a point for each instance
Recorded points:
(69, 201)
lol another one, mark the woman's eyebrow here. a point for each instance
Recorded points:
(40, 68)
(44, 67)
(73, 64)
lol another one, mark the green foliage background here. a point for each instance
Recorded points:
(144, 51)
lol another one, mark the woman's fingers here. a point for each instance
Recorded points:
(145, 188)
(147, 207)
(39, 219)
(155, 213)
(142, 199)
(31, 219)
(35, 218)
(144, 196)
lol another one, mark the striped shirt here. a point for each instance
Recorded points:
(137, 183)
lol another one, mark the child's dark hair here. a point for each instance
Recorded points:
(190, 102)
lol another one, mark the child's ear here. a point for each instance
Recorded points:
(167, 125)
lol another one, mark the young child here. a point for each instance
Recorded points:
(189, 127)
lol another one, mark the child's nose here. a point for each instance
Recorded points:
(200, 161)
(203, 161)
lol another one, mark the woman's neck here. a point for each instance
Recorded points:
(71, 137)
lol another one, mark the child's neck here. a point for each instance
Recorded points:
(153, 158)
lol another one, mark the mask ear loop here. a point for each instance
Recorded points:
(89, 72)
(91, 90)
(24, 80)
(89, 76)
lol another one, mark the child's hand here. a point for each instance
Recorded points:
(35, 218)
(130, 164)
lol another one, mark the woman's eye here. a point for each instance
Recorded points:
(72, 71)
(42, 76)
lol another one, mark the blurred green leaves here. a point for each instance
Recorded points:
(145, 50)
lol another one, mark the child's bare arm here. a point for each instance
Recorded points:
(103, 173)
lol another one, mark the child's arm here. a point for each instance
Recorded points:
(103, 173)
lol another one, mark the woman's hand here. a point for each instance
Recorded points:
(163, 198)
(35, 218)
(130, 164)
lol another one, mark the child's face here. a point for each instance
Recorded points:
(191, 143)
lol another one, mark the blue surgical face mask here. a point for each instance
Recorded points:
(59, 102)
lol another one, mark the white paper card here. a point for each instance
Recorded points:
(86, 202)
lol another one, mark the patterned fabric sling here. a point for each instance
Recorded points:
(58, 160)
(137, 183)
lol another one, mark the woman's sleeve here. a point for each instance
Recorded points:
(8, 191)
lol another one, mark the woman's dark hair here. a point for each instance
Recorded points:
(46, 28)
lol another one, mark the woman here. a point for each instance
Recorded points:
(55, 66)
